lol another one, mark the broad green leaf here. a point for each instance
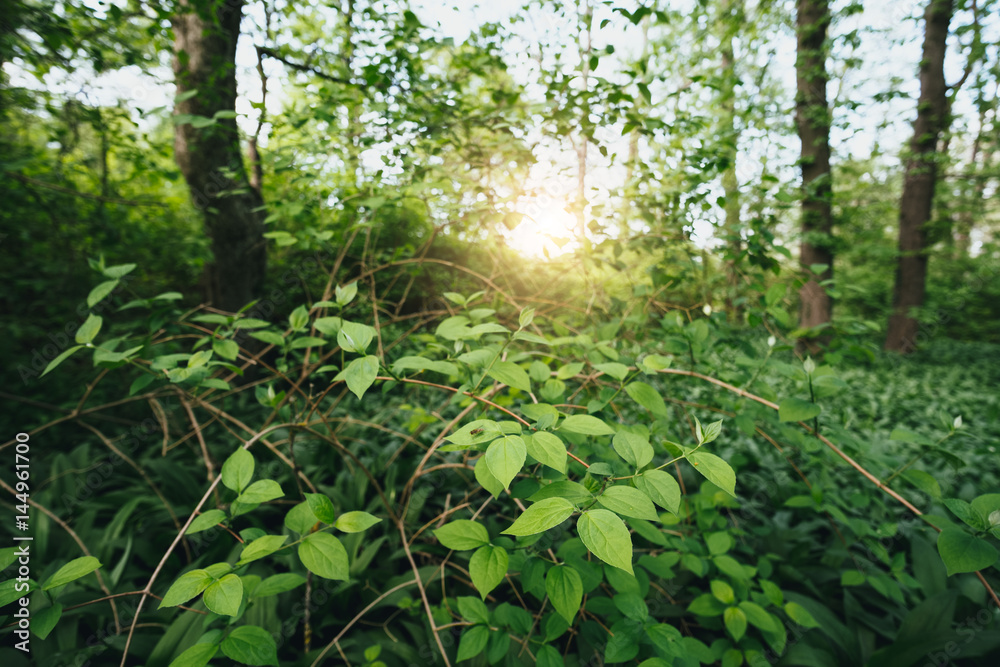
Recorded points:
(355, 337)
(565, 590)
(227, 349)
(631, 502)
(505, 457)
(962, 552)
(261, 491)
(71, 571)
(422, 364)
(547, 449)
(486, 478)
(606, 536)
(195, 656)
(569, 370)
(510, 374)
(300, 519)
(585, 425)
(89, 329)
(250, 645)
(574, 492)
(473, 642)
(237, 471)
(61, 358)
(473, 610)
(715, 470)
(187, 586)
(966, 513)
(662, 489)
(635, 449)
(614, 369)
(462, 535)
(736, 622)
(325, 556)
(722, 591)
(647, 397)
(800, 615)
(541, 516)
(487, 568)
(355, 522)
(44, 621)
(710, 433)
(346, 294)
(359, 374)
(278, 583)
(262, 546)
(718, 543)
(98, 293)
(225, 595)
(903, 435)
(548, 656)
(797, 410)
(322, 507)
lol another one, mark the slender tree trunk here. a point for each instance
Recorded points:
(919, 181)
(586, 50)
(812, 115)
(730, 20)
(205, 39)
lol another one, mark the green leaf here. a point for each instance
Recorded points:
(541, 516)
(962, 552)
(187, 586)
(718, 543)
(61, 358)
(359, 374)
(473, 642)
(710, 433)
(71, 571)
(565, 590)
(98, 293)
(355, 337)
(346, 294)
(227, 349)
(250, 645)
(614, 369)
(736, 622)
(606, 536)
(300, 519)
(298, 318)
(800, 615)
(462, 535)
(714, 470)
(903, 435)
(510, 374)
(322, 507)
(487, 568)
(325, 556)
(225, 595)
(647, 397)
(662, 489)
(722, 591)
(966, 513)
(505, 457)
(574, 492)
(547, 449)
(262, 546)
(548, 656)
(237, 471)
(635, 449)
(278, 583)
(486, 478)
(89, 329)
(526, 317)
(473, 610)
(355, 522)
(118, 271)
(797, 410)
(195, 656)
(631, 502)
(43, 622)
(261, 491)
(585, 425)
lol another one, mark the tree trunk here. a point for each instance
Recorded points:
(919, 181)
(209, 157)
(731, 18)
(812, 116)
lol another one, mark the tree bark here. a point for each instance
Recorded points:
(812, 116)
(919, 180)
(205, 39)
(731, 18)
